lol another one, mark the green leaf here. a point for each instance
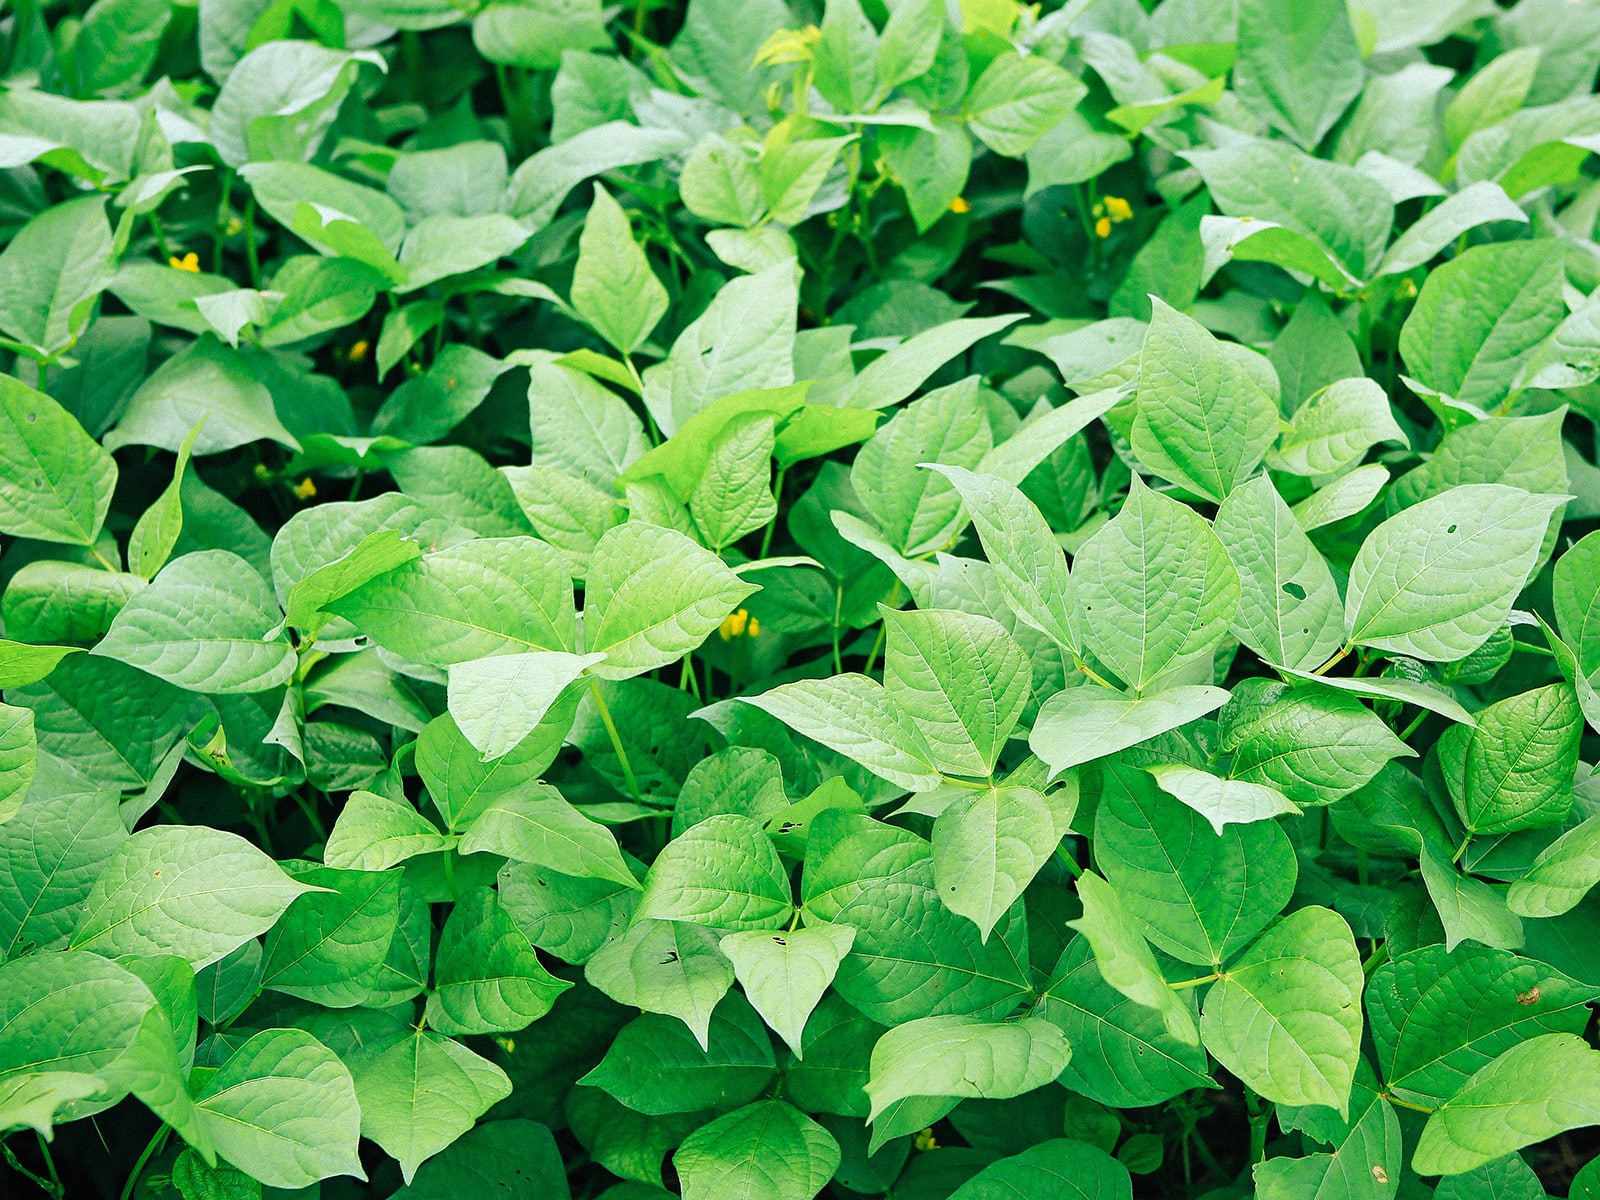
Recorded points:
(1221, 801)
(792, 173)
(784, 975)
(987, 847)
(57, 483)
(283, 1108)
(1314, 746)
(1203, 422)
(158, 528)
(51, 852)
(655, 1065)
(651, 597)
(423, 1093)
(613, 287)
(1289, 606)
(667, 967)
(487, 976)
(1366, 1159)
(1122, 1054)
(53, 270)
(846, 853)
(1433, 582)
(1285, 1017)
(723, 872)
(1017, 99)
(1155, 588)
(186, 890)
(1197, 895)
(1468, 908)
(1438, 1016)
(890, 378)
(958, 1056)
(1534, 1090)
(481, 598)
(1514, 769)
(1575, 592)
(1312, 351)
(1064, 1167)
(1335, 428)
(536, 824)
(1432, 697)
(855, 715)
(205, 623)
(732, 497)
(1474, 205)
(207, 381)
(768, 1150)
(22, 664)
(19, 754)
(1298, 68)
(964, 681)
(1561, 875)
(329, 945)
(1080, 724)
(1480, 318)
(497, 702)
(378, 552)
(1123, 959)
(720, 182)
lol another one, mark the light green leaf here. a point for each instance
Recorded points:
(487, 975)
(19, 754)
(481, 598)
(1432, 697)
(207, 381)
(667, 967)
(1286, 1016)
(568, 916)
(331, 944)
(1468, 908)
(1366, 1158)
(378, 552)
(733, 495)
(375, 832)
(1533, 1091)
(651, 597)
(1017, 99)
(22, 664)
(1433, 582)
(720, 182)
(1474, 205)
(158, 528)
(1155, 588)
(497, 702)
(889, 379)
(55, 482)
(1575, 592)
(1124, 960)
(613, 287)
(723, 872)
(280, 98)
(1335, 428)
(423, 1093)
(1562, 874)
(1514, 769)
(987, 847)
(536, 824)
(1289, 606)
(185, 890)
(283, 1108)
(785, 974)
(964, 681)
(766, 1151)
(1196, 895)
(1298, 67)
(958, 1056)
(52, 272)
(1203, 422)
(855, 715)
(1221, 801)
(51, 852)
(205, 623)
(1063, 1167)
(1344, 497)
(1080, 724)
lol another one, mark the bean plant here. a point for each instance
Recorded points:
(929, 599)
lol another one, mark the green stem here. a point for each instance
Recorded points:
(1462, 849)
(1392, 1099)
(1333, 662)
(838, 605)
(102, 559)
(1416, 723)
(877, 645)
(777, 492)
(1067, 861)
(219, 233)
(1260, 1118)
(252, 257)
(1194, 983)
(1091, 673)
(513, 84)
(39, 1181)
(50, 1164)
(152, 1148)
(1530, 648)
(1376, 959)
(616, 741)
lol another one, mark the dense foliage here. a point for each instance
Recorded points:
(886, 598)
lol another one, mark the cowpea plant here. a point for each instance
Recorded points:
(758, 600)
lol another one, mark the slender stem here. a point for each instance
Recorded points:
(877, 645)
(1194, 983)
(219, 232)
(513, 84)
(1416, 722)
(102, 559)
(777, 492)
(252, 257)
(1260, 1118)
(1393, 1099)
(49, 1163)
(450, 873)
(1092, 673)
(1530, 648)
(152, 1148)
(1376, 959)
(43, 1184)
(616, 740)
(1067, 861)
(838, 605)
(1333, 662)
(1462, 849)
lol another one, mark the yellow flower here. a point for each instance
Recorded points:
(1118, 209)
(960, 205)
(734, 624)
(234, 227)
(306, 488)
(358, 352)
(925, 1140)
(754, 628)
(189, 262)
(1102, 227)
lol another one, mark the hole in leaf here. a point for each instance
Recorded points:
(1295, 590)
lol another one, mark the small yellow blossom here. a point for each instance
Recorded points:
(734, 625)
(189, 262)
(754, 629)
(358, 352)
(1408, 289)
(960, 205)
(234, 227)
(1102, 227)
(925, 1140)
(509, 1045)
(1118, 209)
(305, 489)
